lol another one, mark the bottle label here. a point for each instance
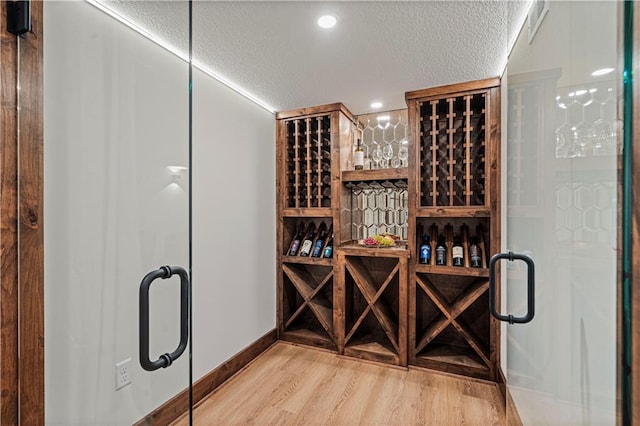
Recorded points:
(317, 248)
(358, 159)
(457, 252)
(306, 247)
(440, 255)
(294, 248)
(425, 253)
(328, 252)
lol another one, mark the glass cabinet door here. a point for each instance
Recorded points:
(117, 208)
(563, 142)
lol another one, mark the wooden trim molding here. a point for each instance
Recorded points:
(175, 407)
(453, 88)
(320, 109)
(511, 411)
(21, 228)
(8, 227)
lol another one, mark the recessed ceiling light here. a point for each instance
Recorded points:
(376, 105)
(580, 92)
(327, 21)
(593, 90)
(602, 71)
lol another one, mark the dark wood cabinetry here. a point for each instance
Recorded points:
(381, 304)
(454, 185)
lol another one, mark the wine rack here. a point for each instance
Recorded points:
(380, 303)
(308, 304)
(308, 162)
(452, 324)
(452, 138)
(290, 229)
(372, 316)
(454, 178)
(308, 146)
(466, 228)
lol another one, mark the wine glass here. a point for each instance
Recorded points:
(403, 155)
(376, 155)
(601, 134)
(387, 154)
(561, 145)
(583, 137)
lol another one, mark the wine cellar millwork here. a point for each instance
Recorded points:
(387, 262)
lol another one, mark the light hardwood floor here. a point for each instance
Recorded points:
(292, 385)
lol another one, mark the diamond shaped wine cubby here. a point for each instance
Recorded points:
(308, 303)
(443, 334)
(373, 307)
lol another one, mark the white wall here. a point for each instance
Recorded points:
(233, 223)
(115, 117)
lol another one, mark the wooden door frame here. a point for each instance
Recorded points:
(21, 230)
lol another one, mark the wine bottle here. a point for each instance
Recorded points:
(328, 250)
(295, 244)
(457, 252)
(308, 240)
(441, 252)
(324, 153)
(474, 253)
(358, 156)
(425, 250)
(322, 235)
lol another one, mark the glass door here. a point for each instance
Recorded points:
(562, 98)
(117, 211)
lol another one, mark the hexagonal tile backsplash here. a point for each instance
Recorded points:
(585, 211)
(380, 129)
(588, 125)
(378, 210)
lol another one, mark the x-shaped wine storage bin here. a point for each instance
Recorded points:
(372, 293)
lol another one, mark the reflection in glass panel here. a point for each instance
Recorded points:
(562, 146)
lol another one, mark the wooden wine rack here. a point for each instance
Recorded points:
(308, 161)
(455, 171)
(381, 304)
(308, 304)
(452, 150)
(373, 303)
(308, 156)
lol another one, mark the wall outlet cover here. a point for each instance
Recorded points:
(123, 373)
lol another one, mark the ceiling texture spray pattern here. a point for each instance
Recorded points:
(377, 51)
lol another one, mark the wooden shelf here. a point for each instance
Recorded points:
(308, 336)
(452, 270)
(453, 355)
(453, 212)
(378, 175)
(321, 261)
(354, 249)
(371, 349)
(320, 212)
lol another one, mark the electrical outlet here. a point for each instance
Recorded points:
(123, 373)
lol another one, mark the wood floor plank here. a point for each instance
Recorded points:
(293, 385)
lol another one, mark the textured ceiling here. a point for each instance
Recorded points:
(379, 50)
